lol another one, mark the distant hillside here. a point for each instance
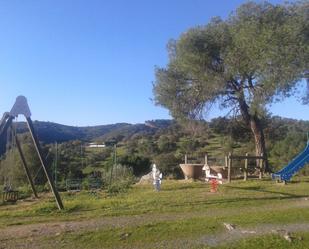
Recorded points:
(163, 142)
(49, 132)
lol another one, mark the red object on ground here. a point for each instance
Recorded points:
(213, 185)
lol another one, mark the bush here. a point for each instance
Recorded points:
(119, 187)
(121, 180)
(139, 164)
(168, 164)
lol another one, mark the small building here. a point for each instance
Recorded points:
(96, 145)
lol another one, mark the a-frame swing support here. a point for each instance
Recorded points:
(21, 108)
(24, 163)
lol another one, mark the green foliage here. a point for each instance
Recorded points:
(166, 147)
(146, 146)
(119, 187)
(166, 144)
(120, 181)
(11, 168)
(187, 145)
(139, 164)
(255, 57)
(70, 160)
(168, 163)
(283, 151)
(235, 128)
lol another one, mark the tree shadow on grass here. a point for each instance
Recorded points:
(297, 181)
(183, 187)
(261, 189)
(239, 201)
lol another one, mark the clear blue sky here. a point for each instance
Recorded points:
(88, 62)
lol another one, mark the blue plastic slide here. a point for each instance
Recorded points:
(295, 165)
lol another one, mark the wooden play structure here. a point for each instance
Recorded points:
(229, 169)
(21, 108)
(260, 162)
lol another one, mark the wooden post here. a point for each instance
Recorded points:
(246, 168)
(229, 168)
(23, 160)
(3, 120)
(42, 160)
(226, 161)
(5, 126)
(186, 159)
(261, 167)
(206, 159)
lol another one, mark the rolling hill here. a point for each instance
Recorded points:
(49, 132)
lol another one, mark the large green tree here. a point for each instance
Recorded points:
(255, 57)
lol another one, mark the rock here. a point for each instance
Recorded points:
(285, 234)
(248, 232)
(287, 237)
(279, 231)
(229, 227)
(57, 234)
(124, 236)
(145, 179)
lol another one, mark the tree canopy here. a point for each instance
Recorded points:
(257, 56)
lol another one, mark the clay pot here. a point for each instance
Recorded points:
(193, 171)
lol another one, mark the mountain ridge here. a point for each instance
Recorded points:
(49, 132)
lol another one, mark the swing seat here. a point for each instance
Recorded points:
(10, 196)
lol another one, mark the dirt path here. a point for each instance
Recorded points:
(225, 237)
(53, 228)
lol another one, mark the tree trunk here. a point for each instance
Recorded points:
(260, 147)
(255, 125)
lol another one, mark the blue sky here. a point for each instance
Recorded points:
(89, 62)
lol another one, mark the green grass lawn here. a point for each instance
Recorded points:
(181, 212)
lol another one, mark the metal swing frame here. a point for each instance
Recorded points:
(21, 108)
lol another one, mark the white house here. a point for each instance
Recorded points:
(96, 145)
